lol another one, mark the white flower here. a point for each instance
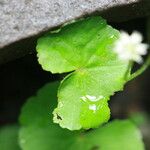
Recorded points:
(130, 47)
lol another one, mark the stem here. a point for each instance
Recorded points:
(130, 65)
(141, 70)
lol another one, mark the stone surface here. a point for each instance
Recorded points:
(21, 19)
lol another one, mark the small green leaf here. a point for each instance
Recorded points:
(39, 133)
(118, 135)
(9, 138)
(84, 47)
(38, 108)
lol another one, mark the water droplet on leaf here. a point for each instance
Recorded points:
(93, 107)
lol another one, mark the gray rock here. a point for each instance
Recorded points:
(21, 19)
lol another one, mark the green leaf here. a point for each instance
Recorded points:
(9, 138)
(39, 133)
(38, 108)
(84, 47)
(118, 135)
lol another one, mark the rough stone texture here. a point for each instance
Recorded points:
(21, 19)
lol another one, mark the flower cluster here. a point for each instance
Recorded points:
(130, 47)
